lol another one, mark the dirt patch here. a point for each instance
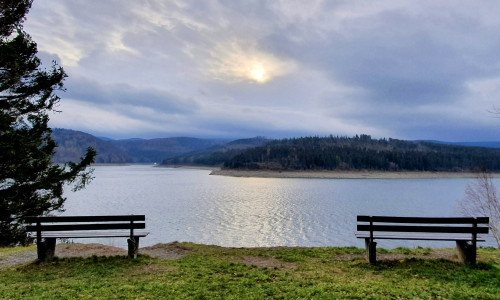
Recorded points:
(166, 251)
(435, 254)
(86, 250)
(348, 256)
(267, 262)
(64, 250)
(151, 269)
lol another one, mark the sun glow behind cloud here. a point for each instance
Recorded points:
(236, 62)
(258, 74)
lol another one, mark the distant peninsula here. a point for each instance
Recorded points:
(336, 156)
(361, 174)
(362, 154)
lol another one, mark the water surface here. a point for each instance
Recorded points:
(191, 205)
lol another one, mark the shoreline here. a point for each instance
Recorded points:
(345, 174)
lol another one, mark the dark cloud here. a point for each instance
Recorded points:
(125, 95)
(398, 58)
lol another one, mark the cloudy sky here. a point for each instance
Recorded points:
(282, 68)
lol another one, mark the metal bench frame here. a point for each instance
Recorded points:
(48, 229)
(463, 230)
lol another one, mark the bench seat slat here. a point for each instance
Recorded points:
(436, 229)
(111, 218)
(419, 236)
(422, 220)
(94, 226)
(92, 234)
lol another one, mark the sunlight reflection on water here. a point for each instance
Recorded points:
(189, 205)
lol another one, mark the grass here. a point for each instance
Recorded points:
(209, 272)
(5, 251)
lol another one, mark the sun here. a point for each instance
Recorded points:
(258, 74)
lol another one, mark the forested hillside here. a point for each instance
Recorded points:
(156, 150)
(71, 145)
(364, 153)
(216, 155)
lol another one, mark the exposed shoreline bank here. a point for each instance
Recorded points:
(345, 174)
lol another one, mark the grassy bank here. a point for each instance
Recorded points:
(205, 272)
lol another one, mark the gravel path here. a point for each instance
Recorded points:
(17, 258)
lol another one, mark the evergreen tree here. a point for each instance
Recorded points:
(30, 184)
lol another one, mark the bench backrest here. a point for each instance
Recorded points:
(423, 224)
(72, 223)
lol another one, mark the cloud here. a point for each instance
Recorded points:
(292, 11)
(400, 69)
(120, 95)
(97, 119)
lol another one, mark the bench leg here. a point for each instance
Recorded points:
(46, 249)
(133, 246)
(466, 252)
(371, 251)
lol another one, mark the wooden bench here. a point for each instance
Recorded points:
(48, 229)
(464, 231)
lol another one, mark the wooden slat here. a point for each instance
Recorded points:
(441, 229)
(422, 220)
(91, 226)
(93, 234)
(434, 237)
(112, 218)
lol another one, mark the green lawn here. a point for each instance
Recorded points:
(209, 272)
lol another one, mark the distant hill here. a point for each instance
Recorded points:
(156, 150)
(71, 145)
(216, 155)
(364, 153)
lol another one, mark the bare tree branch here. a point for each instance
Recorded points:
(481, 199)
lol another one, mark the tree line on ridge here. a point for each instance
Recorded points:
(362, 153)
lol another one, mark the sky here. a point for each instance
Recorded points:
(237, 69)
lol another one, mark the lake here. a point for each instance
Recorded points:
(191, 205)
